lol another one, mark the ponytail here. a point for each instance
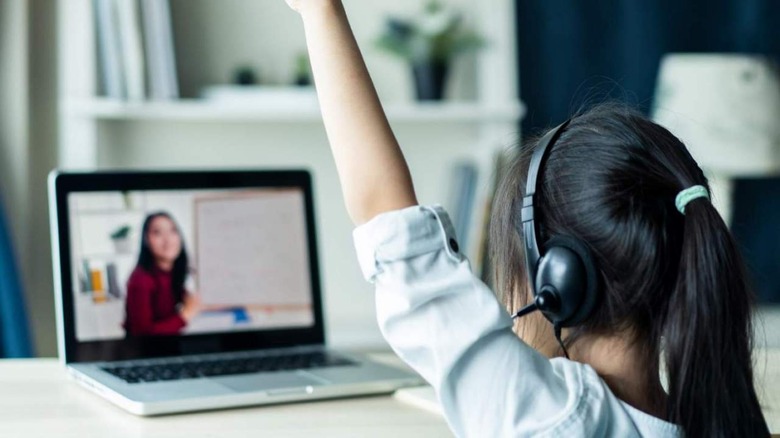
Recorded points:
(707, 334)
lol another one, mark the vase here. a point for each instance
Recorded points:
(123, 245)
(430, 78)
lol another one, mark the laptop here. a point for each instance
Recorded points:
(184, 291)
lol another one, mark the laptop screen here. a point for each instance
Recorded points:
(149, 263)
(170, 262)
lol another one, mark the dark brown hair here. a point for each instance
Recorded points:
(180, 265)
(677, 282)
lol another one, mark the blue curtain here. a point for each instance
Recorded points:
(756, 213)
(14, 326)
(576, 51)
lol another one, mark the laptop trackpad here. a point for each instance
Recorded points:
(266, 381)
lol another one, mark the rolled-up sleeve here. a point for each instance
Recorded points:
(446, 324)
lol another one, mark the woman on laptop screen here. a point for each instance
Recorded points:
(157, 301)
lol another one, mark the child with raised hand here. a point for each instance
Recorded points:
(671, 286)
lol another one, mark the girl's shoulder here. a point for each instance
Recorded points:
(600, 412)
(141, 277)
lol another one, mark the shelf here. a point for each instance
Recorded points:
(107, 211)
(204, 111)
(108, 256)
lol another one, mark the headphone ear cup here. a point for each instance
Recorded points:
(568, 266)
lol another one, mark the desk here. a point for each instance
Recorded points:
(37, 400)
(767, 376)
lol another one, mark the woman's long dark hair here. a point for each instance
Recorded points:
(180, 265)
(676, 282)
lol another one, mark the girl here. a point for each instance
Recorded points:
(671, 285)
(157, 303)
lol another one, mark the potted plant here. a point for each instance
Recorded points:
(121, 239)
(429, 43)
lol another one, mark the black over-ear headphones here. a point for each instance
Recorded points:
(563, 275)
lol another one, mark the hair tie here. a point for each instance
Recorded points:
(688, 195)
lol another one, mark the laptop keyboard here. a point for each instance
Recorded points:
(184, 369)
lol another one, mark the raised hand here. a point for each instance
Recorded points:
(191, 306)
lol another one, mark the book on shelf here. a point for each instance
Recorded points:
(160, 52)
(99, 280)
(86, 276)
(136, 56)
(132, 48)
(109, 45)
(112, 279)
(98, 289)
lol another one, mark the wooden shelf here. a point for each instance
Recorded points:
(205, 111)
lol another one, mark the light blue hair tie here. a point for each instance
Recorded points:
(688, 195)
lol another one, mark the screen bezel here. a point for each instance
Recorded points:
(65, 183)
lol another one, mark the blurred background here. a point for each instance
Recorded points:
(182, 84)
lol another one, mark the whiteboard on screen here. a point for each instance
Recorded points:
(252, 249)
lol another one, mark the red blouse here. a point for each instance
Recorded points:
(150, 306)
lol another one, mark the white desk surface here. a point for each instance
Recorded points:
(38, 400)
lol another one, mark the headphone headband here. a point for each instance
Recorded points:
(528, 225)
(564, 278)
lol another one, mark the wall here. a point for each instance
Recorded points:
(43, 158)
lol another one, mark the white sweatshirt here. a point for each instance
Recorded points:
(447, 325)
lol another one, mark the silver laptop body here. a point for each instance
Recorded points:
(259, 339)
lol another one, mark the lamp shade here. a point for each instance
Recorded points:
(725, 108)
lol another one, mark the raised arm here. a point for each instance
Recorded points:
(373, 173)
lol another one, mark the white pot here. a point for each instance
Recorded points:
(123, 245)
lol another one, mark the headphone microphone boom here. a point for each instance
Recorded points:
(562, 274)
(544, 301)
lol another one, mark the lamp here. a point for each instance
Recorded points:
(726, 109)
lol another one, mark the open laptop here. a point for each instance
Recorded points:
(132, 249)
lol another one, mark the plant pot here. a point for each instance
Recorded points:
(123, 245)
(430, 78)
